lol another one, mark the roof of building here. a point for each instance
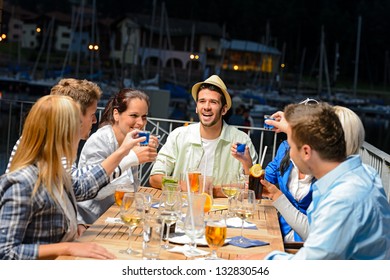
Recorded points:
(249, 46)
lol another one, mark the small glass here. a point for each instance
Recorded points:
(267, 126)
(241, 148)
(146, 134)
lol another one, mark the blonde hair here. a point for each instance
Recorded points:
(49, 134)
(82, 91)
(353, 129)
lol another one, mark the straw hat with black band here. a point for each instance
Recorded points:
(215, 81)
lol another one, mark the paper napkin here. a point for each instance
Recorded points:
(114, 221)
(184, 249)
(237, 222)
(246, 243)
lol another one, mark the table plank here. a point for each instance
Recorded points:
(115, 237)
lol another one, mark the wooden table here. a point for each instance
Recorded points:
(114, 237)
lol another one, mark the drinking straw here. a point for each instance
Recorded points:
(165, 166)
(263, 156)
(190, 202)
(204, 173)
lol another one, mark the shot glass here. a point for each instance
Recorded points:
(152, 236)
(267, 126)
(241, 148)
(146, 134)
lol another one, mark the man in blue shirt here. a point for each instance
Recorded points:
(349, 217)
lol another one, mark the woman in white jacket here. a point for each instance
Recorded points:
(124, 112)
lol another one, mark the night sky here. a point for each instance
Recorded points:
(294, 23)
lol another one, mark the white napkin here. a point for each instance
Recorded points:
(184, 239)
(183, 250)
(237, 222)
(114, 221)
(157, 204)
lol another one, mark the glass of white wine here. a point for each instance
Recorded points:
(132, 216)
(244, 208)
(215, 233)
(230, 190)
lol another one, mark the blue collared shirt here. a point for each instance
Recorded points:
(349, 217)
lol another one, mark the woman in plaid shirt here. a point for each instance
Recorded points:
(37, 201)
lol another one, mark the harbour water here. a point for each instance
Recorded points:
(376, 120)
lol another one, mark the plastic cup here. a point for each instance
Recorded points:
(241, 148)
(267, 126)
(146, 134)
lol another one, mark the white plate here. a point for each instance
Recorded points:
(184, 239)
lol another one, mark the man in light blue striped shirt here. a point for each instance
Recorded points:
(349, 217)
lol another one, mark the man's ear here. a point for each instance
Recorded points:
(224, 110)
(306, 151)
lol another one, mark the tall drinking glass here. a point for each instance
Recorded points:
(132, 216)
(215, 233)
(194, 178)
(169, 211)
(207, 186)
(244, 208)
(194, 222)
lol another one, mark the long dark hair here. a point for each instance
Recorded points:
(285, 162)
(120, 101)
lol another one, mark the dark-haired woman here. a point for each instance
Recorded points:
(124, 112)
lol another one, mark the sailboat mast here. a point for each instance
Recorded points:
(357, 55)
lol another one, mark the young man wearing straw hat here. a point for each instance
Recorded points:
(205, 145)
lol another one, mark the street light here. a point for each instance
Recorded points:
(194, 56)
(93, 47)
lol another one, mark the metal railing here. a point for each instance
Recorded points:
(12, 115)
(380, 161)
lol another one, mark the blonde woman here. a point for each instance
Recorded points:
(37, 201)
